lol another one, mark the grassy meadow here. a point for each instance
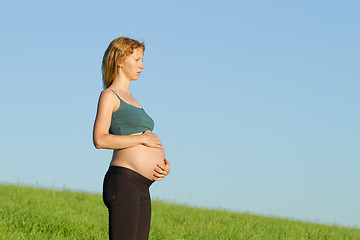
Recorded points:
(33, 213)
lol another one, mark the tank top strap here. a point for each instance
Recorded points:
(116, 94)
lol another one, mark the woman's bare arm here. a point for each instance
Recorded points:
(108, 102)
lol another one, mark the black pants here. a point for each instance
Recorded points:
(126, 195)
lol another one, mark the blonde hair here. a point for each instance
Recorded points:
(119, 49)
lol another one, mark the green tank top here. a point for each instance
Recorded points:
(128, 119)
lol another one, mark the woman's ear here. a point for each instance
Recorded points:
(119, 65)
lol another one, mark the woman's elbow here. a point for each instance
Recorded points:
(98, 143)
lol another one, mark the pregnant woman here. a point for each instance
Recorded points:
(138, 157)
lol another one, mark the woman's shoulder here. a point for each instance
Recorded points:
(106, 91)
(108, 94)
(108, 98)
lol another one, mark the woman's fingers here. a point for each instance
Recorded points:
(152, 140)
(157, 179)
(161, 166)
(158, 176)
(162, 170)
(159, 146)
(166, 166)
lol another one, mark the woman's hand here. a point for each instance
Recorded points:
(151, 140)
(162, 170)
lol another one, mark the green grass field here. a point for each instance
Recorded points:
(32, 213)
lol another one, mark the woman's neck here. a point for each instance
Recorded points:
(121, 85)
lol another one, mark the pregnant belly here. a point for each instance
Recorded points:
(141, 159)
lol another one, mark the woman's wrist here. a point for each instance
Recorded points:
(141, 140)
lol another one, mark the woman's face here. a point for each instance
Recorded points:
(133, 64)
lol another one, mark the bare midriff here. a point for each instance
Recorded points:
(141, 159)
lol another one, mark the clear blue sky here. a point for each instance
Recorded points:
(256, 102)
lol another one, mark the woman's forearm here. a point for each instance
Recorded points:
(109, 141)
